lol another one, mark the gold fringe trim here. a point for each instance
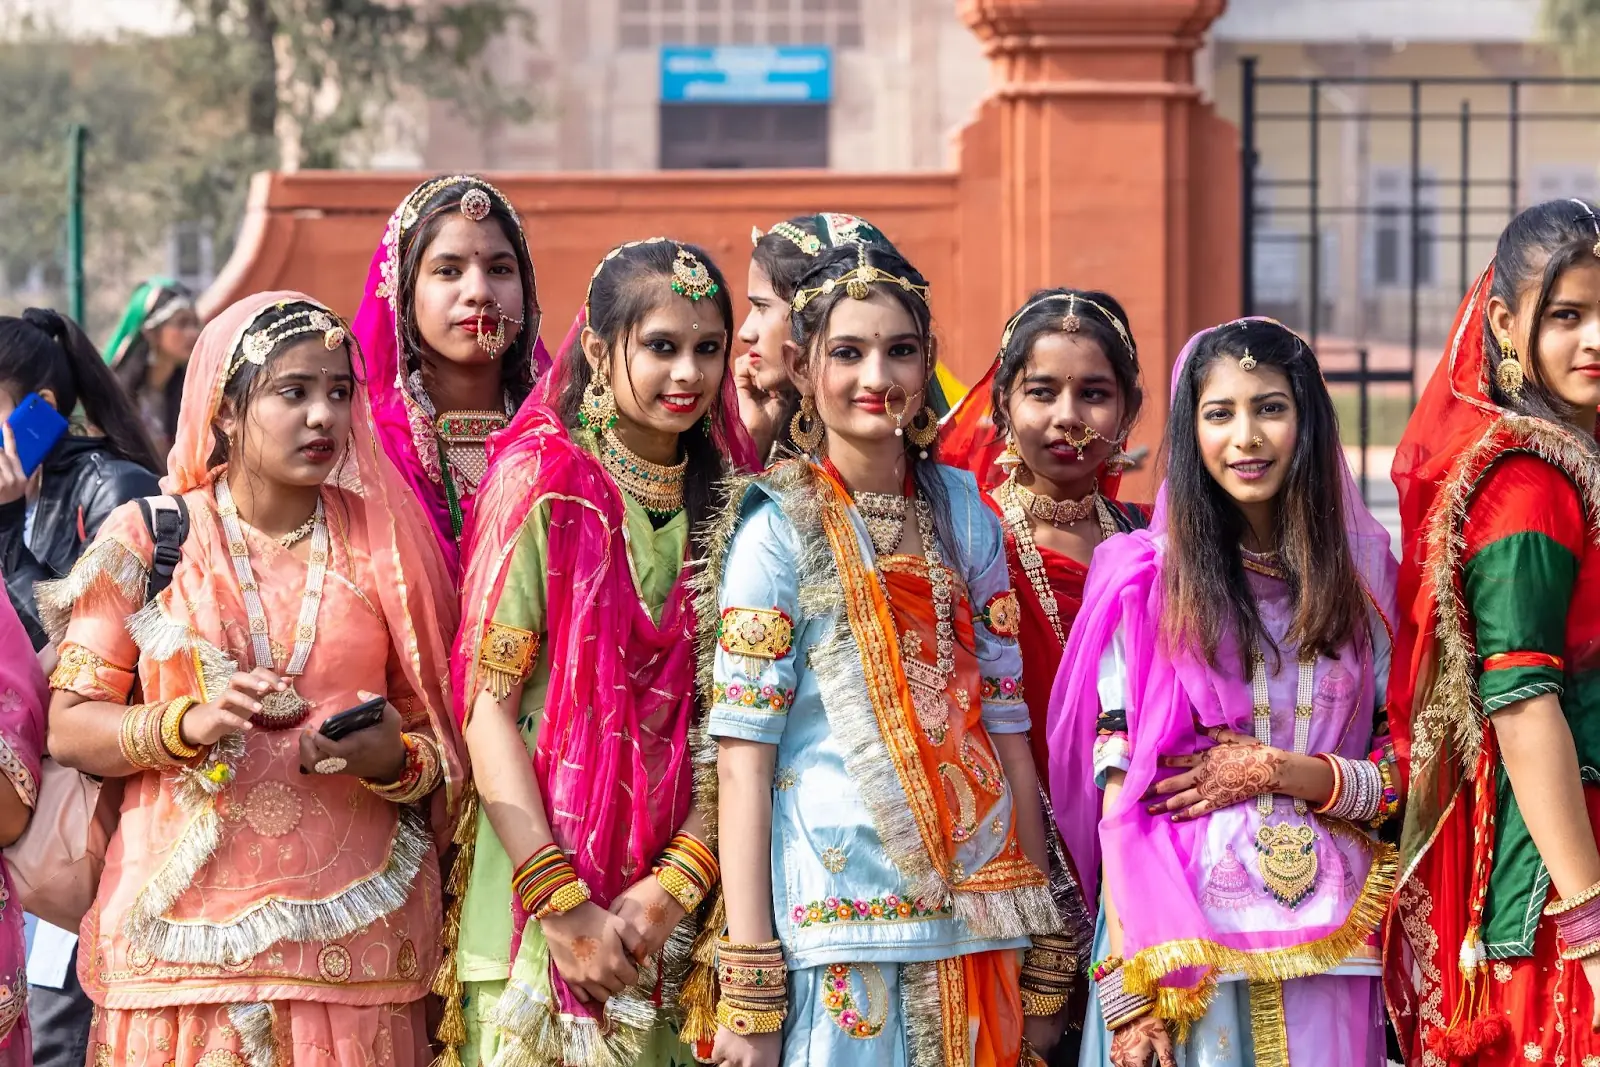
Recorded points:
(698, 997)
(1142, 973)
(1269, 1032)
(452, 1032)
(108, 562)
(538, 1035)
(924, 1014)
(379, 894)
(255, 1023)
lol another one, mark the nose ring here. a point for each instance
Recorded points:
(1256, 442)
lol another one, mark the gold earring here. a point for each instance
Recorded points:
(806, 427)
(924, 430)
(1509, 373)
(1011, 459)
(599, 410)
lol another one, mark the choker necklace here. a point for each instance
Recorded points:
(657, 488)
(1267, 564)
(301, 532)
(279, 711)
(1058, 513)
(462, 435)
(885, 517)
(1014, 500)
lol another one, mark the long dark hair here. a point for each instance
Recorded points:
(1204, 574)
(632, 281)
(44, 349)
(1534, 250)
(809, 327)
(516, 368)
(1099, 316)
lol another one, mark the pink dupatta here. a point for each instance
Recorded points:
(23, 700)
(612, 757)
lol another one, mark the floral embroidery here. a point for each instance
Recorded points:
(878, 909)
(13, 768)
(833, 860)
(1591, 1061)
(1002, 690)
(1003, 615)
(841, 1006)
(983, 767)
(763, 698)
(406, 961)
(759, 633)
(273, 809)
(1532, 1052)
(786, 779)
(219, 1057)
(333, 962)
(1502, 973)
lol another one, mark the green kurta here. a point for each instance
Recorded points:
(483, 957)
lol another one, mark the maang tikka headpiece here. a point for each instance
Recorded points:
(257, 345)
(858, 281)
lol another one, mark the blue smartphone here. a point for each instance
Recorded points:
(37, 427)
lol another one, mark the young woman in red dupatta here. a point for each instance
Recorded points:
(1493, 942)
(448, 330)
(575, 676)
(270, 896)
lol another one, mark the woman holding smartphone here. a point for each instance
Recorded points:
(271, 895)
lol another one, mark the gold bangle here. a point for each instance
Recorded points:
(565, 899)
(745, 1023)
(1142, 1010)
(680, 887)
(1042, 1005)
(1561, 907)
(1581, 952)
(172, 729)
(134, 738)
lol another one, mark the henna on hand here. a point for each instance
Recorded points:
(1228, 774)
(655, 913)
(1133, 1045)
(584, 948)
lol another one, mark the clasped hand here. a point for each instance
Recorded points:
(597, 952)
(1235, 768)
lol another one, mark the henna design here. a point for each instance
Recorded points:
(1228, 774)
(584, 948)
(1133, 1045)
(655, 913)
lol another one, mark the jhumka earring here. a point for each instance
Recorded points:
(1011, 458)
(924, 429)
(599, 410)
(806, 427)
(1509, 374)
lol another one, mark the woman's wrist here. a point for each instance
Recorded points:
(1307, 778)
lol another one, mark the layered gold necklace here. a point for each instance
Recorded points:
(1017, 504)
(657, 488)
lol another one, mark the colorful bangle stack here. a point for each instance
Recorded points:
(1118, 1007)
(1383, 758)
(754, 982)
(688, 870)
(1357, 789)
(1578, 923)
(424, 769)
(1047, 975)
(547, 885)
(151, 735)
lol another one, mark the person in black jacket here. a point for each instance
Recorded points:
(104, 459)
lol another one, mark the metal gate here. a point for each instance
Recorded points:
(1370, 204)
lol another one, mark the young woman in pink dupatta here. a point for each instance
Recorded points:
(23, 695)
(1221, 701)
(270, 896)
(449, 332)
(575, 677)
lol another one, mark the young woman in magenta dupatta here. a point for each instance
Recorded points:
(575, 676)
(23, 697)
(1493, 947)
(449, 333)
(270, 896)
(878, 814)
(1220, 702)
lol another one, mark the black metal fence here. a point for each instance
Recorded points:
(1370, 204)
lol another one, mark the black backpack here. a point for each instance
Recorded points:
(167, 519)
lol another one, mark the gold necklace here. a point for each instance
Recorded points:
(462, 437)
(1263, 563)
(1058, 513)
(657, 488)
(299, 533)
(1288, 850)
(885, 517)
(1012, 499)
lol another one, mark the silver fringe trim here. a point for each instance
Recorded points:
(538, 1035)
(255, 1023)
(107, 561)
(919, 999)
(379, 894)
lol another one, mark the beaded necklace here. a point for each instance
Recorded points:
(657, 488)
(1010, 496)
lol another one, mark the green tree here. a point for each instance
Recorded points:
(1573, 27)
(333, 67)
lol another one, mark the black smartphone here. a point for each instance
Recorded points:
(350, 720)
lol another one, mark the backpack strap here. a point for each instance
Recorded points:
(167, 519)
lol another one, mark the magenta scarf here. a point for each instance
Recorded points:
(612, 757)
(24, 697)
(404, 429)
(1171, 699)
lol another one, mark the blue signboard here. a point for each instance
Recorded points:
(746, 75)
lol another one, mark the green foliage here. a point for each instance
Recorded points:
(1573, 28)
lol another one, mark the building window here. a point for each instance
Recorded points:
(729, 136)
(645, 24)
(1390, 235)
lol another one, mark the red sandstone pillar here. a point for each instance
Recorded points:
(1095, 163)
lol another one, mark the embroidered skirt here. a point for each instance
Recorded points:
(297, 1033)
